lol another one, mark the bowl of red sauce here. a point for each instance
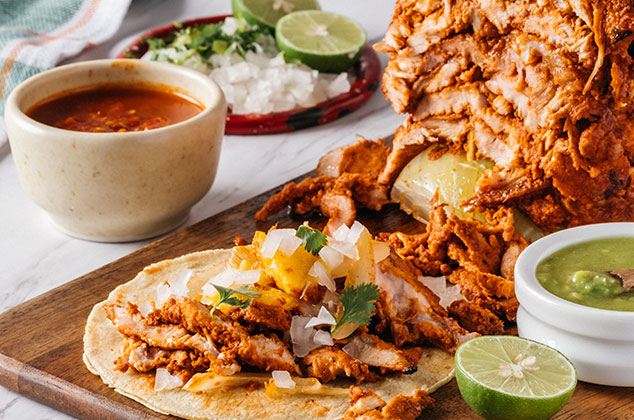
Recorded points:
(116, 150)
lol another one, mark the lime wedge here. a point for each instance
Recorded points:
(322, 40)
(268, 12)
(507, 377)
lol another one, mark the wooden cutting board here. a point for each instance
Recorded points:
(41, 340)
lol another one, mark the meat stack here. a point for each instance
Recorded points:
(542, 87)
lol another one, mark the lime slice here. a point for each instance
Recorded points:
(322, 40)
(506, 377)
(268, 12)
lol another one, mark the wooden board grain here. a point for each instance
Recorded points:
(41, 345)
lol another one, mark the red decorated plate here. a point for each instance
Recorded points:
(367, 72)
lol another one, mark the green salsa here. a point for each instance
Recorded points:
(579, 273)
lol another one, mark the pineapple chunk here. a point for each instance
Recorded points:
(363, 270)
(290, 272)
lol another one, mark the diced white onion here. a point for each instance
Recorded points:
(447, 293)
(246, 277)
(282, 379)
(323, 338)
(178, 286)
(323, 318)
(331, 257)
(355, 232)
(274, 239)
(318, 271)
(290, 242)
(164, 380)
(230, 277)
(346, 248)
(381, 250)
(162, 294)
(146, 308)
(302, 337)
(341, 233)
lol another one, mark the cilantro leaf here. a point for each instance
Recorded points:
(312, 239)
(155, 43)
(358, 304)
(225, 295)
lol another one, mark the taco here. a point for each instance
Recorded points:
(296, 325)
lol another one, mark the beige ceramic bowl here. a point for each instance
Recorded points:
(116, 186)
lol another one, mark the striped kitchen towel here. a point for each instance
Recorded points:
(35, 35)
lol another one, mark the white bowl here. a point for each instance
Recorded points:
(599, 342)
(116, 186)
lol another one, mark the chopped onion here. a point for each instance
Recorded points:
(331, 257)
(145, 308)
(324, 318)
(355, 232)
(319, 272)
(230, 277)
(323, 338)
(162, 294)
(274, 239)
(283, 379)
(341, 233)
(438, 285)
(302, 336)
(381, 250)
(178, 286)
(164, 380)
(290, 242)
(346, 248)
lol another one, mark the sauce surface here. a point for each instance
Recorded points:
(579, 273)
(115, 107)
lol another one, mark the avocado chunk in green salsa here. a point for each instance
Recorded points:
(580, 273)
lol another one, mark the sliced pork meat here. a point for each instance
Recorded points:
(363, 157)
(373, 351)
(541, 88)
(335, 197)
(329, 363)
(265, 352)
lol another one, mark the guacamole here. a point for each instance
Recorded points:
(580, 273)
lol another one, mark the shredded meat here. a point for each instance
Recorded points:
(366, 405)
(265, 352)
(329, 363)
(347, 178)
(478, 256)
(138, 356)
(542, 88)
(263, 317)
(412, 310)
(373, 351)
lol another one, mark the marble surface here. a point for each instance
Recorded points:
(35, 257)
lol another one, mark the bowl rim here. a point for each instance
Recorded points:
(561, 313)
(12, 110)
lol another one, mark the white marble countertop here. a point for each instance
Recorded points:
(35, 257)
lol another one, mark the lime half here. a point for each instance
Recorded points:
(268, 12)
(322, 40)
(506, 377)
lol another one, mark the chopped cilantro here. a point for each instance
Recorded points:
(209, 39)
(312, 239)
(225, 295)
(358, 304)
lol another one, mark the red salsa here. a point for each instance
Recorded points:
(115, 107)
